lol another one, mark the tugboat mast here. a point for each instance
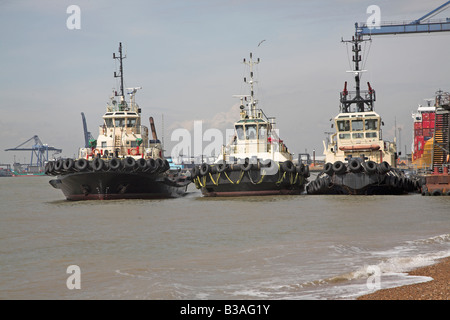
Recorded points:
(120, 75)
(359, 100)
(252, 104)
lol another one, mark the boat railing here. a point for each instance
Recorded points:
(367, 95)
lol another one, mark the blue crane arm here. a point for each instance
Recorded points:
(412, 26)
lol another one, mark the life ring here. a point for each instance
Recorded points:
(95, 152)
(134, 151)
(115, 164)
(288, 166)
(81, 164)
(339, 167)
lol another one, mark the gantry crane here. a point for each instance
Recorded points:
(441, 141)
(39, 151)
(421, 25)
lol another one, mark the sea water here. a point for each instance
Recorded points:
(270, 247)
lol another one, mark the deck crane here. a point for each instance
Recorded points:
(87, 135)
(441, 141)
(38, 150)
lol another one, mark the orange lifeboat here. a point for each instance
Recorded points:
(372, 147)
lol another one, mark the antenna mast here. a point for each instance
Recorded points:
(120, 75)
(369, 97)
(250, 63)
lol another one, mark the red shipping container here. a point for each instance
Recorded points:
(426, 124)
(425, 116)
(432, 115)
(431, 123)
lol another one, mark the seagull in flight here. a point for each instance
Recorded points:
(260, 43)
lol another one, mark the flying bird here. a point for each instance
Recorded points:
(260, 43)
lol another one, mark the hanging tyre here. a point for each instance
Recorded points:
(204, 169)
(354, 165)
(246, 166)
(370, 167)
(49, 168)
(151, 165)
(81, 164)
(328, 168)
(288, 166)
(160, 164)
(141, 164)
(115, 164)
(222, 167)
(68, 165)
(129, 163)
(97, 164)
(339, 167)
(384, 167)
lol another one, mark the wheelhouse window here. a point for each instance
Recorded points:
(119, 122)
(358, 135)
(109, 122)
(131, 122)
(262, 131)
(344, 135)
(371, 134)
(371, 124)
(240, 132)
(357, 125)
(343, 125)
(250, 131)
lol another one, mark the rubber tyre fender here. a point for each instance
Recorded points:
(160, 164)
(287, 166)
(115, 164)
(97, 164)
(68, 164)
(328, 168)
(81, 164)
(339, 167)
(141, 164)
(370, 167)
(129, 163)
(222, 167)
(205, 169)
(354, 165)
(151, 165)
(384, 167)
(436, 192)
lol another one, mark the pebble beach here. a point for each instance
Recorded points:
(436, 289)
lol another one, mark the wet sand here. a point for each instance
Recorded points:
(437, 289)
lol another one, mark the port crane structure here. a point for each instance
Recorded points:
(441, 141)
(422, 25)
(39, 151)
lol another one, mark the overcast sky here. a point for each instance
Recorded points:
(187, 56)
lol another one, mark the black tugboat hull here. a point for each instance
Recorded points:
(235, 183)
(117, 185)
(382, 181)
